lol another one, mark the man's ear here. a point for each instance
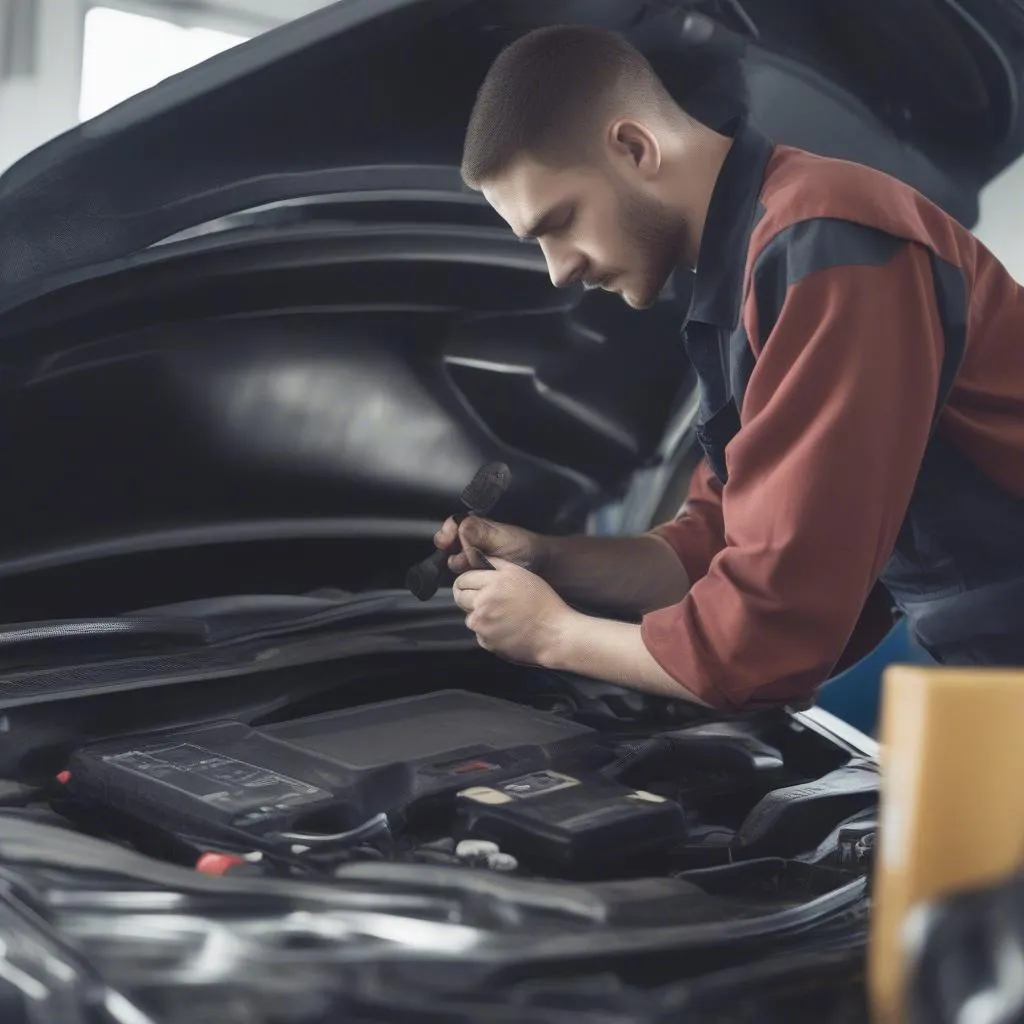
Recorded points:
(634, 142)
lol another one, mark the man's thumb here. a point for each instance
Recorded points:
(501, 563)
(476, 532)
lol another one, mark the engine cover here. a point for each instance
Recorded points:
(232, 783)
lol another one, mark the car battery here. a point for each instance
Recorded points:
(555, 820)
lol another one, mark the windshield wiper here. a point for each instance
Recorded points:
(128, 632)
(206, 623)
(241, 635)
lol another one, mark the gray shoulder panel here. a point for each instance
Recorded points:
(809, 246)
(951, 298)
(823, 243)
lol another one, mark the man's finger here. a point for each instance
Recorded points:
(475, 558)
(446, 536)
(459, 563)
(475, 532)
(475, 579)
(501, 563)
(465, 599)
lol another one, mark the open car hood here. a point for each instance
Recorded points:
(255, 338)
(256, 299)
(366, 85)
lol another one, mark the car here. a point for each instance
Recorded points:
(257, 339)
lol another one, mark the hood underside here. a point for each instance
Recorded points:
(256, 302)
(331, 100)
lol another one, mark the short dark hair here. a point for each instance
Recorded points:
(547, 91)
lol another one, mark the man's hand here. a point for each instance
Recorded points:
(625, 575)
(518, 616)
(492, 540)
(513, 612)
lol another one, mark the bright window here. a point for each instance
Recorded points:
(125, 53)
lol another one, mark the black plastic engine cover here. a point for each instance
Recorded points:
(786, 822)
(325, 774)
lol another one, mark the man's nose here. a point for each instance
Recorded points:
(565, 268)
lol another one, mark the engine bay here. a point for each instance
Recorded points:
(576, 788)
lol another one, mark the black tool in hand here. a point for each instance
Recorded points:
(482, 494)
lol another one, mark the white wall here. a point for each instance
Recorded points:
(1001, 225)
(34, 109)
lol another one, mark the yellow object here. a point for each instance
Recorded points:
(952, 809)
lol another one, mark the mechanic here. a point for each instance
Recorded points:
(861, 365)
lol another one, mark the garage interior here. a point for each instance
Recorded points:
(949, 768)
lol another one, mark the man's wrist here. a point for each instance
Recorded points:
(543, 554)
(562, 640)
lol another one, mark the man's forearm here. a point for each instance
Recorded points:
(627, 575)
(613, 652)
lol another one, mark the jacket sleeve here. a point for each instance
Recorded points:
(697, 534)
(835, 420)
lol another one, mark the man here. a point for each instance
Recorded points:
(861, 363)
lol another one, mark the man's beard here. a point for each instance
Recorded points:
(657, 236)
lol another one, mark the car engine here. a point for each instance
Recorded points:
(458, 777)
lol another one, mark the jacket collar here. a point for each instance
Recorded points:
(732, 215)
